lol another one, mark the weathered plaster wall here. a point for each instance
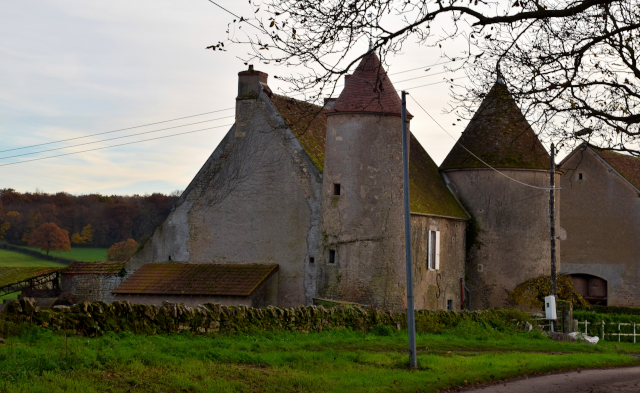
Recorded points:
(432, 288)
(89, 287)
(364, 225)
(601, 214)
(256, 200)
(513, 239)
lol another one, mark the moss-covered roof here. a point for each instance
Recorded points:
(627, 166)
(197, 279)
(429, 194)
(308, 122)
(500, 135)
(14, 275)
(110, 267)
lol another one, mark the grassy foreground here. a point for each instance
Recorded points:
(331, 361)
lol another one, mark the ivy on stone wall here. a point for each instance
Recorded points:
(93, 319)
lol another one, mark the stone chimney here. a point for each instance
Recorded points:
(250, 83)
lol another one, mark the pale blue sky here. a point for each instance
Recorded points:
(72, 68)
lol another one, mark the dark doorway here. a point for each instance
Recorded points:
(593, 289)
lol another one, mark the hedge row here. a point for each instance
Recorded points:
(91, 319)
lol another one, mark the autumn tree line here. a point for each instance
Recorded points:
(91, 220)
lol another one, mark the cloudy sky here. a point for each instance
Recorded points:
(73, 68)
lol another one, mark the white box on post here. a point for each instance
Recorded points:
(550, 307)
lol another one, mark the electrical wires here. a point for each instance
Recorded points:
(478, 158)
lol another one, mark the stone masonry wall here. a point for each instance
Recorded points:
(433, 288)
(78, 288)
(93, 319)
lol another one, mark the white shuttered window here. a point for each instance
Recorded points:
(433, 250)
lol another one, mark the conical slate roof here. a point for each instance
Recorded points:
(369, 89)
(500, 135)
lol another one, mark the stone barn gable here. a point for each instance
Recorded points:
(601, 215)
(257, 198)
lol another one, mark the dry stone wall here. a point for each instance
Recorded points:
(93, 319)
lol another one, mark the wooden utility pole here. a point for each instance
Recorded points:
(411, 316)
(552, 218)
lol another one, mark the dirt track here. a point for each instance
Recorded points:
(588, 381)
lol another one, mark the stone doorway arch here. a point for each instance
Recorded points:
(592, 288)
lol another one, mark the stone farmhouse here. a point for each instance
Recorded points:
(601, 214)
(301, 204)
(318, 192)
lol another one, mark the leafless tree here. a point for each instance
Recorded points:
(572, 65)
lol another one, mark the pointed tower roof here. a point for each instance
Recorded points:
(368, 89)
(500, 135)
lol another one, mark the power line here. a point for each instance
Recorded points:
(110, 139)
(470, 152)
(109, 132)
(120, 144)
(239, 17)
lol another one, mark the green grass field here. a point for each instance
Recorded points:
(17, 259)
(332, 361)
(79, 254)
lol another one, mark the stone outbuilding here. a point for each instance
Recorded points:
(324, 203)
(601, 215)
(508, 241)
(249, 285)
(90, 281)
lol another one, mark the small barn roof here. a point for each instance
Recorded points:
(197, 279)
(368, 89)
(500, 135)
(111, 267)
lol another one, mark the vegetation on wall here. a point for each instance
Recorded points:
(531, 293)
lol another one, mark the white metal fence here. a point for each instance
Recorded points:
(603, 325)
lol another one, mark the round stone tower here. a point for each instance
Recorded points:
(508, 239)
(363, 213)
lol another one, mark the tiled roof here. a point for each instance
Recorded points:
(14, 275)
(628, 166)
(94, 268)
(428, 193)
(368, 89)
(500, 135)
(308, 123)
(196, 279)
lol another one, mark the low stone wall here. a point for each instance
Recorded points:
(91, 319)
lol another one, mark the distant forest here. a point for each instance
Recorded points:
(112, 218)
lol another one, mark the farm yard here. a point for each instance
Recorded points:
(331, 361)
